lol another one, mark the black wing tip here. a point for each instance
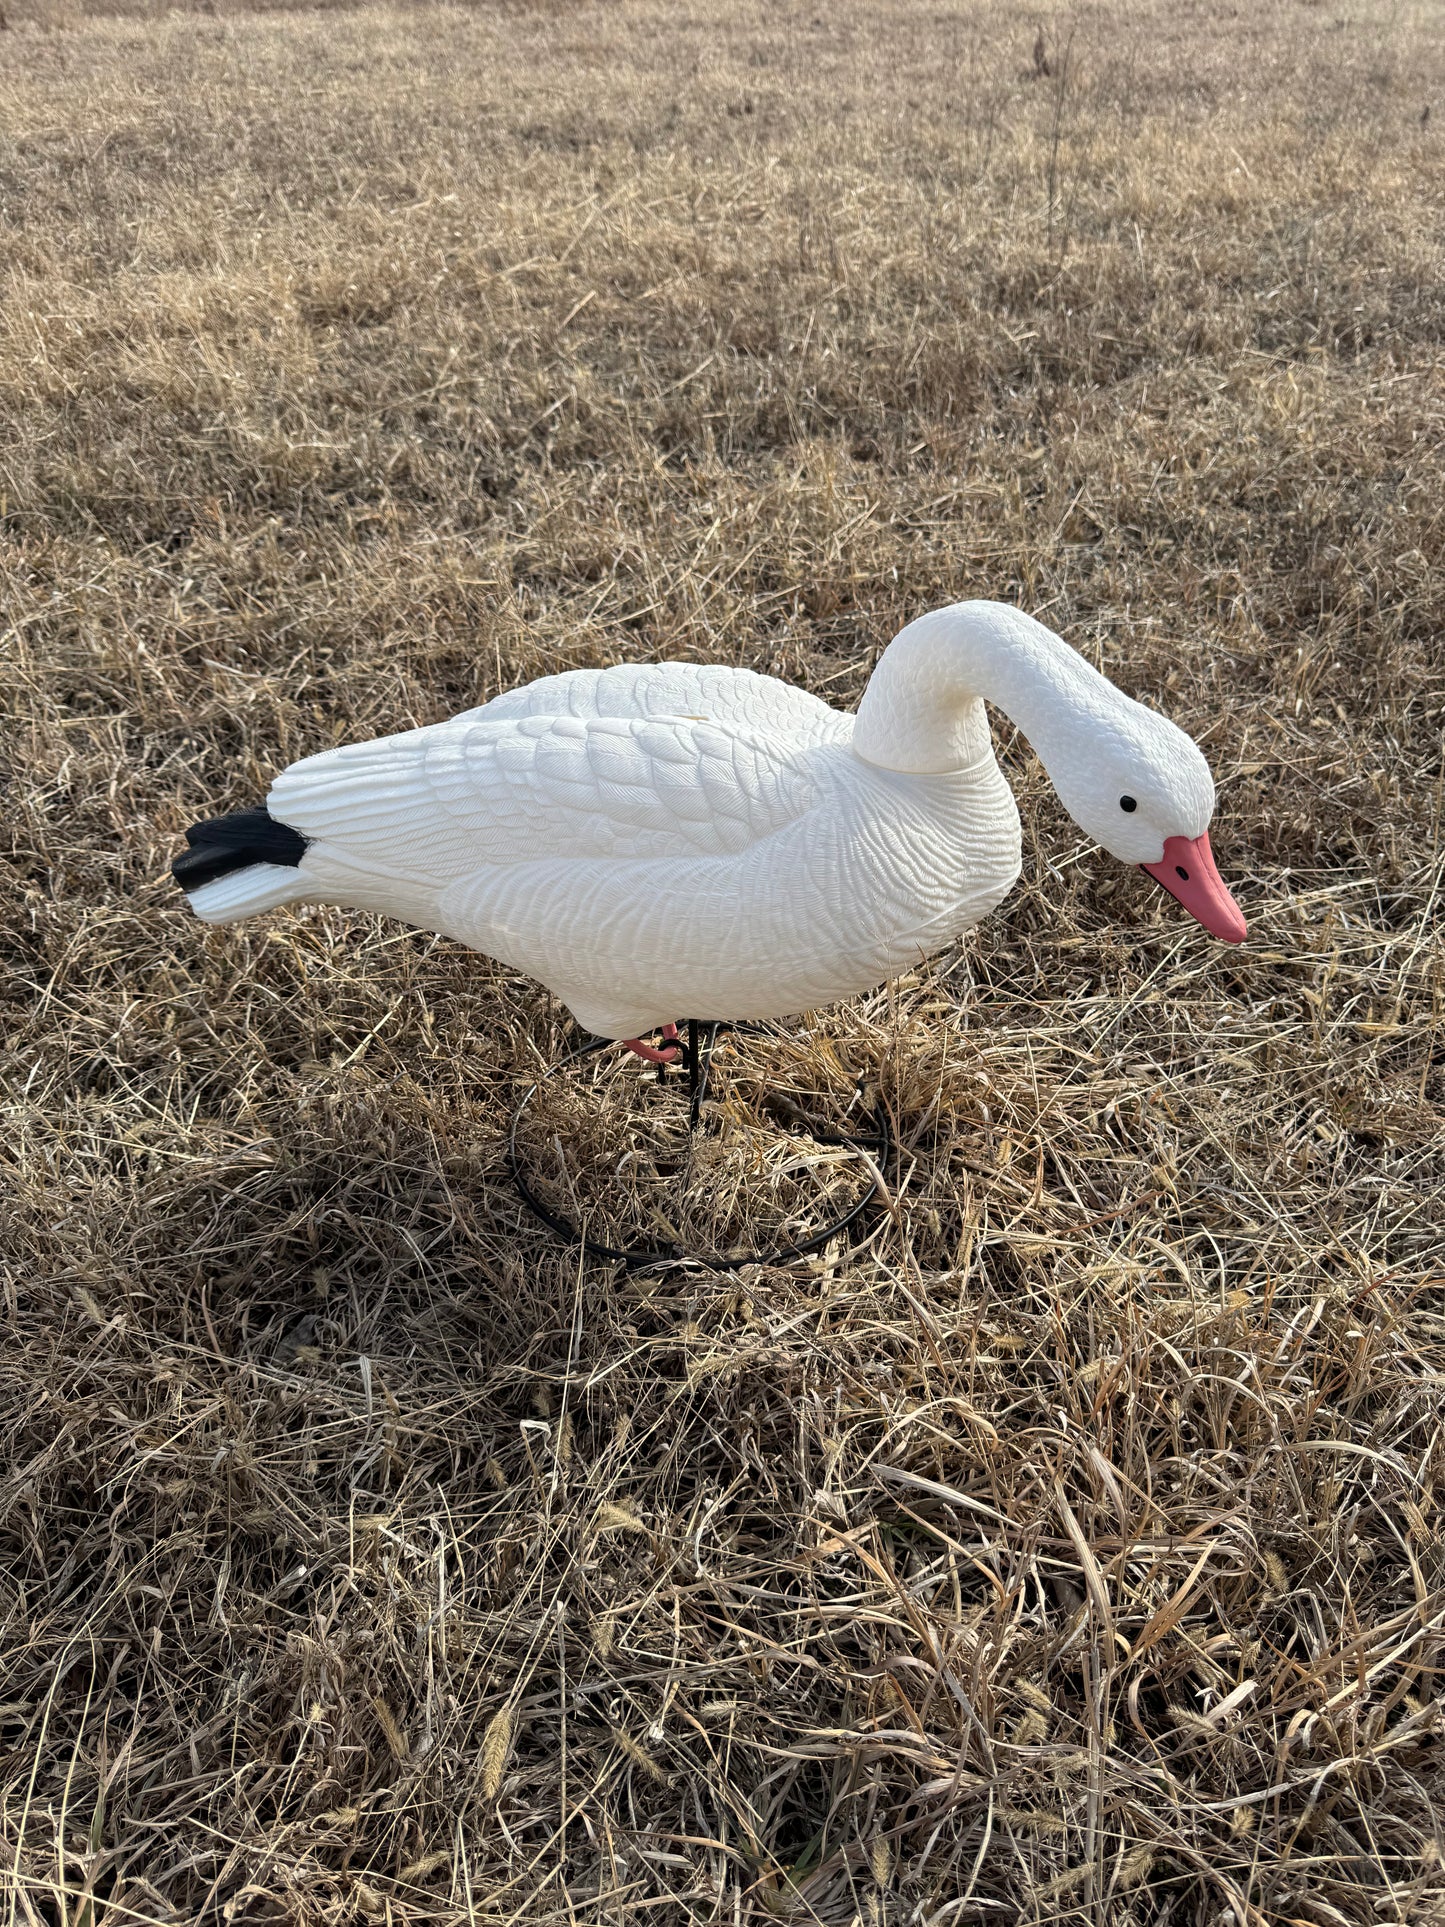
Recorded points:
(223, 844)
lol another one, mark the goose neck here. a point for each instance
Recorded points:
(923, 709)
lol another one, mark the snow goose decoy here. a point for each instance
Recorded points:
(659, 840)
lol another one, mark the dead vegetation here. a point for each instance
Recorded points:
(1066, 1551)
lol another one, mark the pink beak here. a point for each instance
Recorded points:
(1187, 871)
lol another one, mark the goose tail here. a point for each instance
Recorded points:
(235, 866)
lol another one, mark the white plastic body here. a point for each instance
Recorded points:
(660, 841)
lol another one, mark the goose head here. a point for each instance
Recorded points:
(1139, 786)
(1127, 775)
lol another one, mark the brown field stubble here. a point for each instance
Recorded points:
(1067, 1551)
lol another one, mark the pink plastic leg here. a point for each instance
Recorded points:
(649, 1052)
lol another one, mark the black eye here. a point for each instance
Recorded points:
(1127, 803)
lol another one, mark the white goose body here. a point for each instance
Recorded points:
(656, 841)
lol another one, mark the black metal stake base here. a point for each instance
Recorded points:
(696, 1066)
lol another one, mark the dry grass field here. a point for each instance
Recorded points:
(1068, 1548)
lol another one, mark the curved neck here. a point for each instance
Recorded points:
(923, 713)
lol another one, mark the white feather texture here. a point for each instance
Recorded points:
(657, 841)
(260, 886)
